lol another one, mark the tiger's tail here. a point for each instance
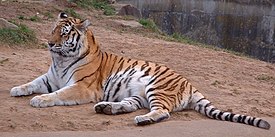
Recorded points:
(204, 106)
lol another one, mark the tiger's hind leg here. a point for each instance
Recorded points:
(152, 117)
(158, 113)
(127, 105)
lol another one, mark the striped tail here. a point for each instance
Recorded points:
(203, 106)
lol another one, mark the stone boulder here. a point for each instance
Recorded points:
(128, 23)
(129, 10)
(5, 24)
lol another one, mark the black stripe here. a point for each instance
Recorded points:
(93, 38)
(215, 116)
(134, 64)
(243, 120)
(163, 72)
(182, 87)
(132, 72)
(200, 100)
(115, 59)
(157, 106)
(120, 59)
(126, 70)
(157, 68)
(239, 119)
(176, 82)
(120, 67)
(231, 117)
(153, 99)
(258, 123)
(47, 84)
(149, 90)
(251, 121)
(171, 88)
(87, 76)
(211, 111)
(151, 95)
(227, 117)
(144, 65)
(164, 78)
(137, 99)
(220, 115)
(107, 83)
(205, 107)
(129, 79)
(129, 60)
(68, 80)
(97, 49)
(200, 106)
(146, 73)
(74, 62)
(117, 89)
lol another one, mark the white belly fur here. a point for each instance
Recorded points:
(125, 85)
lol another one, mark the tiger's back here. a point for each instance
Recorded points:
(82, 73)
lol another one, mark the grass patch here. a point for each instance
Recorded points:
(21, 17)
(72, 13)
(180, 38)
(49, 15)
(265, 77)
(149, 24)
(96, 4)
(21, 35)
(34, 18)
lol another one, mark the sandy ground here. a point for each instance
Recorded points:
(198, 128)
(232, 83)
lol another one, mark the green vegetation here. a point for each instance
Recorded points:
(72, 13)
(21, 35)
(49, 15)
(96, 4)
(265, 77)
(21, 17)
(149, 24)
(180, 38)
(34, 18)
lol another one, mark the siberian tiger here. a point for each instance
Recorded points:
(81, 73)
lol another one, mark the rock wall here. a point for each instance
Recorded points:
(245, 26)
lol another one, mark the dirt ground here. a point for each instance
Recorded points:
(233, 83)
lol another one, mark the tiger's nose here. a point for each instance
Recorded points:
(51, 44)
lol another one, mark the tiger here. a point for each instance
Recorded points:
(82, 73)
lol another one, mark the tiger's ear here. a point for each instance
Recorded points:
(83, 26)
(62, 15)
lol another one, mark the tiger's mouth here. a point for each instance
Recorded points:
(60, 51)
(56, 49)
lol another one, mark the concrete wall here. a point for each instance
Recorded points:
(245, 26)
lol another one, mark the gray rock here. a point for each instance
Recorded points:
(129, 10)
(5, 24)
(128, 23)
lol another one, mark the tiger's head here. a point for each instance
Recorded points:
(68, 36)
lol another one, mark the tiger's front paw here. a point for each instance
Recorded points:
(42, 101)
(103, 108)
(20, 91)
